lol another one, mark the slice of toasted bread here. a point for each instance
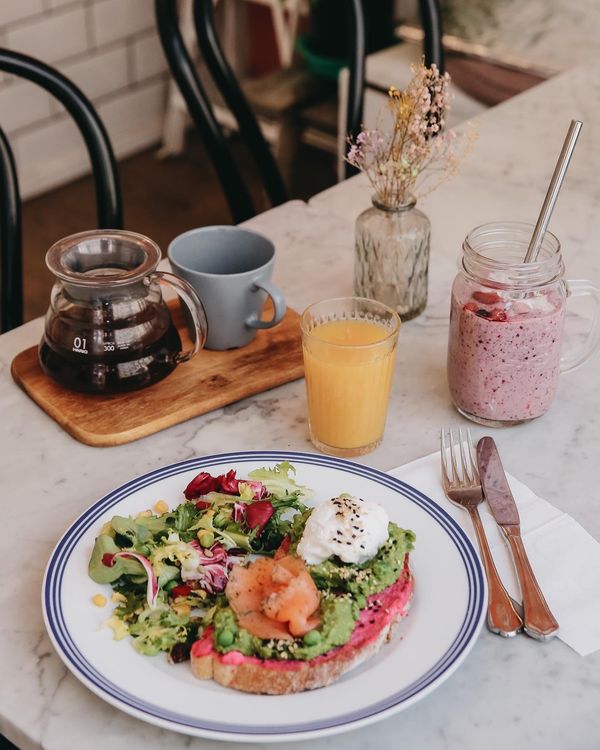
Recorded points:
(279, 677)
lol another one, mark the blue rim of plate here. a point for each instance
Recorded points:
(81, 668)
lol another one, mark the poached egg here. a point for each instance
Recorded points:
(349, 527)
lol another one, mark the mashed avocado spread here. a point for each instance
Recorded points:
(338, 616)
(344, 588)
(371, 577)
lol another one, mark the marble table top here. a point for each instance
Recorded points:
(513, 693)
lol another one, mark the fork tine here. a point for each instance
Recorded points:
(467, 474)
(473, 458)
(444, 455)
(457, 476)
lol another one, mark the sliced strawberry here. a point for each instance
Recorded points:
(258, 514)
(486, 298)
(498, 315)
(471, 306)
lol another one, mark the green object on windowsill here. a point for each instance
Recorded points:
(321, 65)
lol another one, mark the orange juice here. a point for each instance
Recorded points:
(348, 366)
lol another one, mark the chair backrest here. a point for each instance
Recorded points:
(11, 264)
(431, 20)
(104, 167)
(185, 75)
(433, 54)
(225, 79)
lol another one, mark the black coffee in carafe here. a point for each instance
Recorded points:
(108, 329)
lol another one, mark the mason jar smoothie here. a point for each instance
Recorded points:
(506, 326)
(504, 354)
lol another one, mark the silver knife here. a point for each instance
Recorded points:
(538, 619)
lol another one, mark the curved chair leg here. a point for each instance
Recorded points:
(11, 268)
(432, 49)
(229, 87)
(356, 83)
(183, 70)
(431, 20)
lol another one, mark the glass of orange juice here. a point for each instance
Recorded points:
(349, 352)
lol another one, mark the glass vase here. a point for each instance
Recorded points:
(392, 257)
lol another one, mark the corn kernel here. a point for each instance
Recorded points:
(99, 600)
(144, 514)
(118, 597)
(161, 507)
(182, 608)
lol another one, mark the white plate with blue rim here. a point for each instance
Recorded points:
(446, 615)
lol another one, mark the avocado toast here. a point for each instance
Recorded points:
(259, 591)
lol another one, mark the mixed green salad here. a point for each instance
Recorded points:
(168, 570)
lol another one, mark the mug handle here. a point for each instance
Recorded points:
(276, 295)
(582, 288)
(193, 303)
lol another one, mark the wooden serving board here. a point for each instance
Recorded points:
(208, 381)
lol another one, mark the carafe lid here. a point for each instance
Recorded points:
(103, 257)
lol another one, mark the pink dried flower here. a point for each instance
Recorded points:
(395, 161)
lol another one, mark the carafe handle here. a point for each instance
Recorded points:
(572, 360)
(194, 305)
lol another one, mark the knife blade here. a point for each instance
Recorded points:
(539, 622)
(495, 485)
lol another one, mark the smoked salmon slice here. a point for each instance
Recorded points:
(263, 627)
(274, 598)
(245, 588)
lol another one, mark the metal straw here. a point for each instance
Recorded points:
(553, 190)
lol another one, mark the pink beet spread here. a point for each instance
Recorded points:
(380, 610)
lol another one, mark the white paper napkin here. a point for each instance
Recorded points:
(572, 590)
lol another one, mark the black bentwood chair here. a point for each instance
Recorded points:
(192, 90)
(185, 75)
(104, 167)
(433, 54)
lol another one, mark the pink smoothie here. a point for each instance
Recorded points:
(504, 356)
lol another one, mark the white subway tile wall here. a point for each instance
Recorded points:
(119, 19)
(51, 37)
(110, 49)
(14, 10)
(148, 57)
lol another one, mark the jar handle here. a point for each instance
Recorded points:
(582, 288)
(193, 303)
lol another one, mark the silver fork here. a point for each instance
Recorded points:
(462, 486)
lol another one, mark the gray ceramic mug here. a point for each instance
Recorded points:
(231, 269)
